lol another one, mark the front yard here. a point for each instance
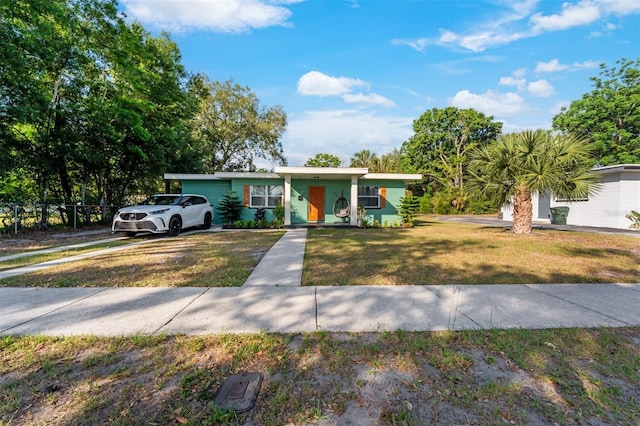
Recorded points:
(556, 376)
(219, 259)
(456, 253)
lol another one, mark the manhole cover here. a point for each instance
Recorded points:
(239, 392)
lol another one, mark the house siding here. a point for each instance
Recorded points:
(214, 190)
(386, 215)
(618, 195)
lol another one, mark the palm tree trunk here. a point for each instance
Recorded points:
(522, 212)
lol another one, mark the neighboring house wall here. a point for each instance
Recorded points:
(618, 195)
(540, 208)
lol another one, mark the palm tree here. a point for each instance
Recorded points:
(364, 159)
(516, 165)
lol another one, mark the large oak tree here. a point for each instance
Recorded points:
(440, 144)
(233, 129)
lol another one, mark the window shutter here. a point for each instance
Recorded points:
(383, 197)
(246, 195)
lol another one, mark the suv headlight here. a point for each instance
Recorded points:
(162, 211)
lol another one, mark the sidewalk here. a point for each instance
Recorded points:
(126, 311)
(273, 300)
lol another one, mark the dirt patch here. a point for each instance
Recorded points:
(484, 377)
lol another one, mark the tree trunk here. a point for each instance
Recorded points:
(522, 212)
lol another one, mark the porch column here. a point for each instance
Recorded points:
(354, 202)
(287, 200)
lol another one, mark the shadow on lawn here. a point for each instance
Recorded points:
(402, 257)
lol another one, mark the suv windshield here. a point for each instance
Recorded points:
(162, 200)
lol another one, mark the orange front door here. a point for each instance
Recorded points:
(316, 203)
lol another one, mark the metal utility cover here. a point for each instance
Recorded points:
(239, 392)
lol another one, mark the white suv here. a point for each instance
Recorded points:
(161, 213)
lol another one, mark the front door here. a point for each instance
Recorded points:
(316, 203)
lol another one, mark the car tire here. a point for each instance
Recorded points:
(207, 221)
(175, 226)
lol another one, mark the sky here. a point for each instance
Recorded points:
(355, 74)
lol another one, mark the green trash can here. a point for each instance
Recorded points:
(559, 215)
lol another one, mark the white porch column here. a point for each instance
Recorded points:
(287, 200)
(354, 202)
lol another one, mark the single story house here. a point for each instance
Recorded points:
(618, 195)
(308, 194)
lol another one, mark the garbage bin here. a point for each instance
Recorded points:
(559, 215)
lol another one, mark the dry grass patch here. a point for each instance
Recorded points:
(38, 240)
(455, 253)
(219, 259)
(568, 376)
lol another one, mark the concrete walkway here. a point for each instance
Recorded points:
(273, 300)
(282, 264)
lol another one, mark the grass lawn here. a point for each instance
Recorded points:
(402, 378)
(556, 376)
(456, 253)
(220, 259)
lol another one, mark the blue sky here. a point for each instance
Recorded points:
(354, 74)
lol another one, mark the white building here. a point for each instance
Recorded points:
(619, 194)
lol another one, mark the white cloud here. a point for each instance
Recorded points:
(620, 7)
(518, 21)
(369, 99)
(316, 83)
(343, 133)
(226, 16)
(552, 66)
(586, 64)
(510, 81)
(516, 79)
(420, 44)
(540, 88)
(573, 14)
(491, 103)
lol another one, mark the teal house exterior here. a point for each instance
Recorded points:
(310, 195)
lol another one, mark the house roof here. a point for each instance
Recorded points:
(617, 168)
(318, 173)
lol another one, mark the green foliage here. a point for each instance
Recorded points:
(278, 213)
(518, 164)
(232, 128)
(426, 204)
(323, 160)
(230, 208)
(634, 217)
(409, 206)
(609, 115)
(17, 187)
(387, 163)
(89, 100)
(442, 138)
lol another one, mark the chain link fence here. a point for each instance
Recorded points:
(15, 218)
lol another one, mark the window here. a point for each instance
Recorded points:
(369, 197)
(265, 195)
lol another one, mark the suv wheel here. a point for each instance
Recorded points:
(175, 226)
(207, 221)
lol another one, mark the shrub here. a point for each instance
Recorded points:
(230, 208)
